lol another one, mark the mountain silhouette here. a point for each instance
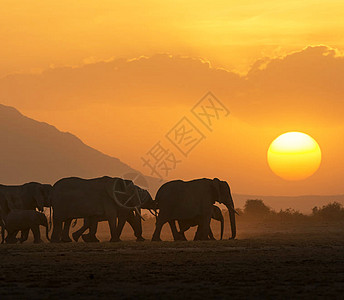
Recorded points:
(36, 151)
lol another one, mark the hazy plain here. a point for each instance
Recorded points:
(270, 261)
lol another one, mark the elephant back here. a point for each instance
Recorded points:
(178, 200)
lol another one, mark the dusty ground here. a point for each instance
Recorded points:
(264, 262)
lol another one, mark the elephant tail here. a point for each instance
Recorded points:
(74, 222)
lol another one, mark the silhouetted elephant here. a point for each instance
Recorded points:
(30, 195)
(184, 225)
(94, 199)
(133, 218)
(186, 200)
(24, 220)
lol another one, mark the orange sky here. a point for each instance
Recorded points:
(232, 34)
(81, 69)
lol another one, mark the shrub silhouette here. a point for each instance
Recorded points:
(256, 208)
(331, 212)
(290, 215)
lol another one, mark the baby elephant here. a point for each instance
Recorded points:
(184, 225)
(25, 220)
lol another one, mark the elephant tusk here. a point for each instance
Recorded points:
(138, 212)
(74, 223)
(154, 213)
(232, 207)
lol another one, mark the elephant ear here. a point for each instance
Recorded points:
(47, 189)
(216, 213)
(110, 184)
(4, 208)
(39, 197)
(144, 195)
(124, 193)
(217, 185)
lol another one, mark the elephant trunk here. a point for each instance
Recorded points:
(222, 225)
(232, 220)
(47, 232)
(44, 222)
(50, 222)
(2, 234)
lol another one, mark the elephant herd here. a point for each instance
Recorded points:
(115, 200)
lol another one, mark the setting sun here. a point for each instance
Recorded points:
(294, 156)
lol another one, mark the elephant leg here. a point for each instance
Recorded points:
(57, 229)
(204, 228)
(65, 232)
(36, 234)
(136, 224)
(197, 236)
(77, 234)
(24, 235)
(182, 229)
(182, 236)
(211, 235)
(91, 236)
(174, 230)
(157, 232)
(121, 222)
(11, 237)
(93, 228)
(112, 225)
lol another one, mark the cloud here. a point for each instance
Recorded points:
(307, 85)
(158, 80)
(303, 85)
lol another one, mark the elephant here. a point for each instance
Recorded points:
(30, 195)
(180, 200)
(133, 218)
(184, 225)
(94, 199)
(25, 220)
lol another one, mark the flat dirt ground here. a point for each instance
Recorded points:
(265, 261)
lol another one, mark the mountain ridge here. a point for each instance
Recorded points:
(37, 151)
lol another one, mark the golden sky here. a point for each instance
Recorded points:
(231, 34)
(120, 74)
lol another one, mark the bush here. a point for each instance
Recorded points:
(331, 212)
(256, 208)
(291, 215)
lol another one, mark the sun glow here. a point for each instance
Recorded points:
(294, 156)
